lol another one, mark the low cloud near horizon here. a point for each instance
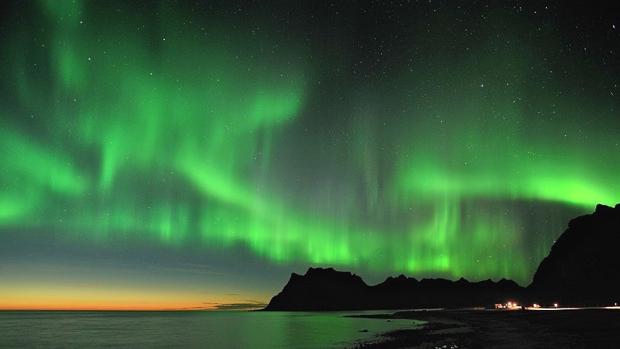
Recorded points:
(241, 306)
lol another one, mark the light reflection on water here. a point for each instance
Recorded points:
(189, 329)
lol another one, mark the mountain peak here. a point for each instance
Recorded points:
(600, 208)
(582, 267)
(329, 289)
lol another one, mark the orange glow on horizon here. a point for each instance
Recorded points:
(61, 286)
(83, 302)
(68, 303)
(76, 298)
(86, 307)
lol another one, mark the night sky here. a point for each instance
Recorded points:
(193, 154)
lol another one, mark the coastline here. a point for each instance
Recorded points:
(445, 329)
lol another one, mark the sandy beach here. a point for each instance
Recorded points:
(583, 328)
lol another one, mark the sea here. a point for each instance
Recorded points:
(191, 329)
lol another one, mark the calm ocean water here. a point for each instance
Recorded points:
(188, 329)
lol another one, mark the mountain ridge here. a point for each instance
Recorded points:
(581, 269)
(316, 290)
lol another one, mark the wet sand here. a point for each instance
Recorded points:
(587, 328)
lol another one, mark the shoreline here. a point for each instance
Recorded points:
(452, 329)
(437, 331)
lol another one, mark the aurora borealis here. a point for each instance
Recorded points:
(233, 143)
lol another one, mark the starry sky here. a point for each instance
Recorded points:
(191, 154)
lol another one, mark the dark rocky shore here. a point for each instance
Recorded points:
(583, 328)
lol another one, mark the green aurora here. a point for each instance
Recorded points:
(165, 127)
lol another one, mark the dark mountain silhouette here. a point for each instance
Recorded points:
(328, 289)
(582, 269)
(584, 263)
(322, 289)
